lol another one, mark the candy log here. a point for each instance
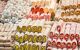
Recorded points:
(39, 38)
(51, 35)
(55, 36)
(49, 43)
(69, 44)
(30, 38)
(29, 47)
(61, 36)
(16, 47)
(21, 47)
(74, 45)
(18, 29)
(43, 47)
(44, 38)
(64, 43)
(77, 36)
(72, 37)
(34, 39)
(25, 37)
(66, 37)
(54, 44)
(23, 29)
(29, 28)
(59, 44)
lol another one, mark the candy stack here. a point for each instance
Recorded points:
(42, 10)
(69, 10)
(31, 35)
(64, 37)
(7, 31)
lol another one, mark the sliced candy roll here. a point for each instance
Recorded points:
(59, 29)
(30, 38)
(43, 47)
(16, 47)
(61, 36)
(44, 38)
(25, 37)
(77, 36)
(78, 6)
(39, 38)
(37, 46)
(58, 44)
(34, 39)
(74, 45)
(24, 29)
(29, 47)
(20, 40)
(63, 43)
(66, 37)
(51, 35)
(72, 36)
(54, 43)
(34, 29)
(79, 41)
(55, 36)
(49, 43)
(25, 46)
(18, 29)
(21, 47)
(49, 48)
(39, 29)
(34, 46)
(29, 28)
(16, 37)
(69, 45)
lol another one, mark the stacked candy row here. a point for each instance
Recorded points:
(16, 8)
(30, 37)
(38, 26)
(31, 32)
(70, 4)
(64, 36)
(69, 11)
(29, 29)
(30, 47)
(62, 45)
(7, 31)
(40, 13)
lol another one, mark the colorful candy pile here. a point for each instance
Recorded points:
(31, 34)
(41, 10)
(69, 11)
(64, 36)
